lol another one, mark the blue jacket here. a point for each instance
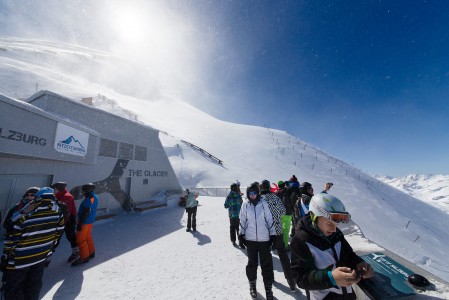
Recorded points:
(89, 203)
(233, 203)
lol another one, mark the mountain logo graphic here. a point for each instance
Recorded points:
(70, 140)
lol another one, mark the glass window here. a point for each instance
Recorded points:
(108, 148)
(140, 153)
(125, 151)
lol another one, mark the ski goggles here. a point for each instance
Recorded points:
(252, 194)
(340, 217)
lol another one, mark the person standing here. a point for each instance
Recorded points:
(87, 213)
(191, 208)
(66, 198)
(32, 239)
(277, 210)
(289, 200)
(302, 204)
(257, 233)
(27, 197)
(323, 262)
(233, 203)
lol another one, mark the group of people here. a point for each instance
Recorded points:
(33, 230)
(322, 262)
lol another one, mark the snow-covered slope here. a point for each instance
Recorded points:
(432, 189)
(411, 228)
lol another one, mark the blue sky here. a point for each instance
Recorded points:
(366, 81)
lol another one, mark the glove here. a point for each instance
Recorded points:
(4, 262)
(79, 226)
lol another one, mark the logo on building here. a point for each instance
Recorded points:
(70, 140)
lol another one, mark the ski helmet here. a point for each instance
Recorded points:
(45, 193)
(418, 281)
(281, 184)
(330, 207)
(88, 188)
(31, 190)
(264, 186)
(234, 187)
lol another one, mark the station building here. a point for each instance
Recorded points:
(49, 138)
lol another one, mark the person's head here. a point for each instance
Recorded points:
(306, 188)
(327, 212)
(328, 186)
(264, 187)
(252, 192)
(29, 194)
(88, 188)
(44, 193)
(234, 187)
(59, 186)
(281, 184)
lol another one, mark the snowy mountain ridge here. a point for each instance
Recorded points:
(433, 188)
(396, 221)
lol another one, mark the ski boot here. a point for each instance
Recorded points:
(269, 291)
(75, 255)
(252, 289)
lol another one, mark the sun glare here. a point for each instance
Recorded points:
(130, 25)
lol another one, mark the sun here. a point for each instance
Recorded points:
(130, 24)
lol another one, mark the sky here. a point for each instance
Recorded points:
(363, 80)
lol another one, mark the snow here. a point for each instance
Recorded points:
(149, 255)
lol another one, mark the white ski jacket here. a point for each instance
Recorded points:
(256, 221)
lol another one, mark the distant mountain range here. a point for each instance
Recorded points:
(433, 189)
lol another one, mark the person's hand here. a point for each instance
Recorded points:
(344, 276)
(365, 269)
(79, 226)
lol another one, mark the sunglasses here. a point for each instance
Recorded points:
(340, 217)
(252, 194)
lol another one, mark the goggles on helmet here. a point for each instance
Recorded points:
(340, 217)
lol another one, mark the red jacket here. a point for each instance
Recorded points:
(68, 199)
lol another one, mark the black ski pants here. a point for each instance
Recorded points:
(191, 217)
(262, 251)
(234, 228)
(24, 283)
(283, 256)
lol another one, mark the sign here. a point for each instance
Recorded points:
(70, 140)
(390, 280)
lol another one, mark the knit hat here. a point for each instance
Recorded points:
(281, 184)
(264, 186)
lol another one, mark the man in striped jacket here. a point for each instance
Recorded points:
(35, 234)
(277, 209)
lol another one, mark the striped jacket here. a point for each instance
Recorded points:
(277, 209)
(34, 236)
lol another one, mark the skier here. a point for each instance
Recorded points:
(86, 217)
(323, 262)
(191, 208)
(257, 232)
(289, 200)
(277, 210)
(302, 204)
(27, 197)
(33, 238)
(66, 199)
(233, 203)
